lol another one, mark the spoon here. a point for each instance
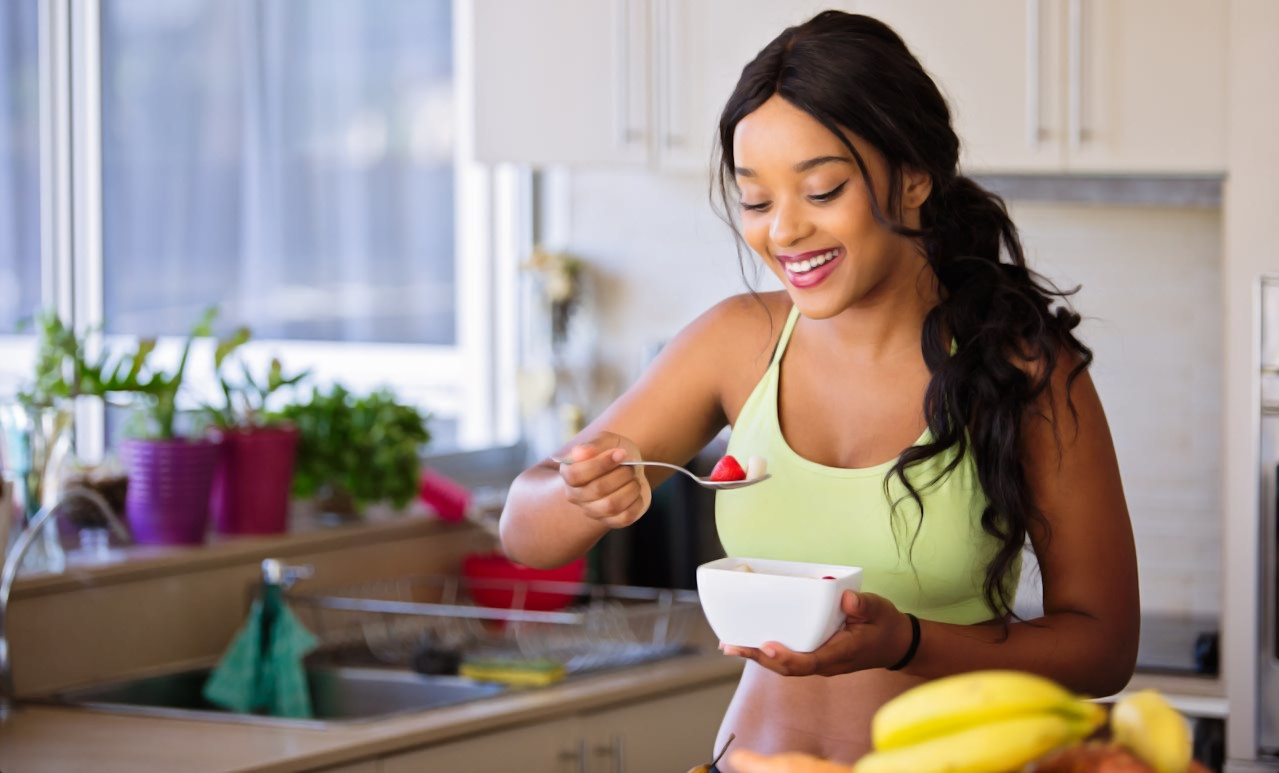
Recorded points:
(718, 485)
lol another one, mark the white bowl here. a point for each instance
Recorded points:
(786, 602)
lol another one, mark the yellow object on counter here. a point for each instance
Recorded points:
(521, 673)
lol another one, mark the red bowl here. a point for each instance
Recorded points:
(496, 581)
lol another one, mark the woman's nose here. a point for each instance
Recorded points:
(789, 224)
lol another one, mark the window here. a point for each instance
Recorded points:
(19, 162)
(297, 164)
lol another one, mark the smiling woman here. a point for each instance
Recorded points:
(920, 395)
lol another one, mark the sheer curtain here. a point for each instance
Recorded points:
(291, 162)
(19, 163)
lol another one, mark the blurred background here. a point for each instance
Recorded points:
(500, 211)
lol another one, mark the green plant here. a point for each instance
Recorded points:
(64, 371)
(361, 449)
(245, 400)
(60, 362)
(155, 391)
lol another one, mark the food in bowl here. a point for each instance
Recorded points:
(751, 601)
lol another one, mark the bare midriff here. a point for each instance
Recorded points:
(826, 716)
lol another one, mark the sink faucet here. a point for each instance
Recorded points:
(10, 572)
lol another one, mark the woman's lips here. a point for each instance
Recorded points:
(813, 276)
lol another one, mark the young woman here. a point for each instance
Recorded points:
(917, 392)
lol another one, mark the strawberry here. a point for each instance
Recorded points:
(727, 469)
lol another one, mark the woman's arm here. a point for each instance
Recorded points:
(1087, 637)
(669, 415)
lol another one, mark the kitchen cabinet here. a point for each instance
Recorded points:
(1036, 86)
(621, 82)
(670, 732)
(546, 747)
(675, 732)
(1137, 86)
(366, 766)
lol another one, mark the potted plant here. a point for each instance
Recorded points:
(354, 451)
(170, 473)
(36, 433)
(255, 473)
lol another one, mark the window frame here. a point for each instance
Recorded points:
(471, 381)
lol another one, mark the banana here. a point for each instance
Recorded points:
(1000, 745)
(1154, 730)
(956, 702)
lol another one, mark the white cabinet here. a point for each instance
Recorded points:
(700, 49)
(637, 82)
(547, 747)
(364, 766)
(1075, 85)
(671, 732)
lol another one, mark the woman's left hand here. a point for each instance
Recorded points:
(875, 635)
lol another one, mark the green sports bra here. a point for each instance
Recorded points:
(810, 512)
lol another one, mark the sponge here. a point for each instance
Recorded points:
(523, 673)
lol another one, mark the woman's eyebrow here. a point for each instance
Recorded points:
(802, 166)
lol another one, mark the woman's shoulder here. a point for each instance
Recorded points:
(745, 326)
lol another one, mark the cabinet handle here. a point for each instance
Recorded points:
(670, 12)
(1075, 96)
(578, 754)
(622, 73)
(616, 753)
(1034, 59)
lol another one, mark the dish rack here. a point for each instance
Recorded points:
(600, 626)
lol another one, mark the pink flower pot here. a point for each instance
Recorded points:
(253, 481)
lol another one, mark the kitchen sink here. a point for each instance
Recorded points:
(338, 695)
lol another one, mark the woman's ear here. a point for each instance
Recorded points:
(916, 188)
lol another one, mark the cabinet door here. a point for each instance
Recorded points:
(560, 81)
(1147, 85)
(700, 50)
(994, 60)
(547, 747)
(674, 732)
(364, 766)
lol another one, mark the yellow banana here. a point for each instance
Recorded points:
(956, 702)
(1001, 745)
(1154, 730)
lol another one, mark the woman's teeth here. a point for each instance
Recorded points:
(804, 266)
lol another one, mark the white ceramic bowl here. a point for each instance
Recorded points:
(786, 602)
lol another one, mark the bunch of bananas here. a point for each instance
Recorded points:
(977, 722)
(1145, 723)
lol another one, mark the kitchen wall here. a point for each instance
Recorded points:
(1151, 297)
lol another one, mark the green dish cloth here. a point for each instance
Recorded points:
(262, 671)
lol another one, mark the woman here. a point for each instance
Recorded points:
(923, 405)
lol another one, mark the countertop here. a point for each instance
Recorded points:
(40, 739)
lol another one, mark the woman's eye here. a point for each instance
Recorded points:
(760, 207)
(828, 195)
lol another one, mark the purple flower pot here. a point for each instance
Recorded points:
(168, 498)
(253, 481)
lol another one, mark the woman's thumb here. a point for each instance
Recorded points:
(859, 606)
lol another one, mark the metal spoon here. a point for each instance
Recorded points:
(718, 485)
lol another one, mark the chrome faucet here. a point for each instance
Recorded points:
(9, 573)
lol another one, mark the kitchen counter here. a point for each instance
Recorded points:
(46, 738)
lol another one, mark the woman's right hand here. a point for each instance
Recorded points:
(613, 495)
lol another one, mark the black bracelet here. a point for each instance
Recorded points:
(914, 644)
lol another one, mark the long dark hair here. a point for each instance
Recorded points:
(853, 73)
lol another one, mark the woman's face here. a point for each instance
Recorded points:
(806, 211)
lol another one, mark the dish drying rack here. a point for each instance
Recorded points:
(603, 626)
